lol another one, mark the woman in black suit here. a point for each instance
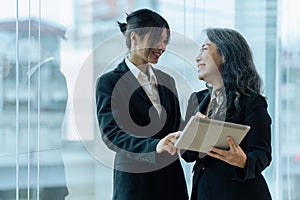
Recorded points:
(234, 94)
(137, 108)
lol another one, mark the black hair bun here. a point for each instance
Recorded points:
(123, 27)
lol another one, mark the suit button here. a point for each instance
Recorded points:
(203, 168)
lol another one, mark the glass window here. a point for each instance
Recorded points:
(52, 51)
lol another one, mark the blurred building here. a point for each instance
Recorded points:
(33, 101)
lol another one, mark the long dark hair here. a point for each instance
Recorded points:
(144, 21)
(238, 70)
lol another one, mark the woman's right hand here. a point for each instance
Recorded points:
(167, 143)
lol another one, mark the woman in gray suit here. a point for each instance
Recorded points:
(137, 108)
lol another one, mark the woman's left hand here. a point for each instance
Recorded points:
(234, 156)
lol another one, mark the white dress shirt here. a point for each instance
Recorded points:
(149, 84)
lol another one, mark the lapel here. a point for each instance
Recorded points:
(204, 103)
(132, 82)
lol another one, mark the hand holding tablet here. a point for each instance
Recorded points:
(200, 134)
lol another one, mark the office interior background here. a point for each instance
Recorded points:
(81, 38)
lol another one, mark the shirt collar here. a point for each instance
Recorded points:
(218, 94)
(137, 72)
(152, 75)
(132, 67)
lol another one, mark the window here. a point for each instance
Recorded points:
(49, 138)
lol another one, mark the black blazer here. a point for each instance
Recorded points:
(214, 179)
(131, 127)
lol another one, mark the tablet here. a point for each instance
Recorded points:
(201, 134)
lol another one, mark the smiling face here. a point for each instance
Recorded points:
(142, 52)
(209, 62)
